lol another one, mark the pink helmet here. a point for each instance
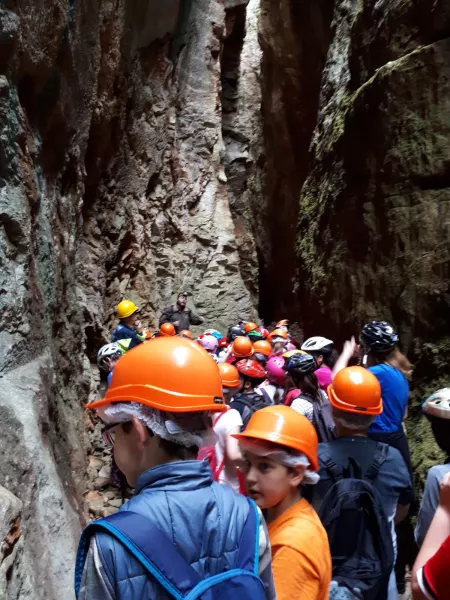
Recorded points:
(208, 342)
(290, 346)
(275, 372)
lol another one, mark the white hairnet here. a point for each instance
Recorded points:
(282, 457)
(184, 429)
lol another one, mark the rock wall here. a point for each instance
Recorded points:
(112, 184)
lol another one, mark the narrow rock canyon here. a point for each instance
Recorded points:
(275, 159)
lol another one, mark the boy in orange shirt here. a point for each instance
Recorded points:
(280, 450)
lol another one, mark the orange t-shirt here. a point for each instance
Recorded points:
(301, 560)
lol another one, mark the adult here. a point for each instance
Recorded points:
(128, 332)
(355, 396)
(180, 315)
(322, 349)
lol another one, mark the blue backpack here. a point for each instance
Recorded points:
(157, 554)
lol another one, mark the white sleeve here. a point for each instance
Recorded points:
(304, 407)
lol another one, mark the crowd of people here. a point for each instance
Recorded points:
(263, 466)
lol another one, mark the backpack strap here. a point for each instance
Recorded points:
(381, 452)
(265, 394)
(149, 546)
(157, 554)
(332, 468)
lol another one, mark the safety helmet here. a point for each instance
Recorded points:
(356, 390)
(281, 425)
(214, 333)
(223, 343)
(234, 332)
(275, 372)
(261, 358)
(147, 334)
(318, 344)
(299, 365)
(167, 329)
(263, 331)
(250, 326)
(438, 404)
(255, 335)
(263, 347)
(379, 336)
(126, 308)
(208, 342)
(108, 351)
(229, 375)
(251, 369)
(282, 323)
(242, 347)
(186, 334)
(278, 335)
(290, 353)
(171, 374)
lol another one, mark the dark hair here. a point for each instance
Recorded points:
(176, 451)
(441, 431)
(330, 358)
(309, 385)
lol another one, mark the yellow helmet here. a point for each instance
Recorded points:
(126, 308)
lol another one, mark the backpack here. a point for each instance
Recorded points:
(323, 420)
(251, 403)
(159, 557)
(364, 559)
(322, 417)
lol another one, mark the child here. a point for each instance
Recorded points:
(157, 415)
(280, 453)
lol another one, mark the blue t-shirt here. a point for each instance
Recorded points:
(395, 393)
(108, 379)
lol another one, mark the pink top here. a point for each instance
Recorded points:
(324, 376)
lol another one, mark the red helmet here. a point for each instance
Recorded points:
(263, 331)
(250, 368)
(223, 343)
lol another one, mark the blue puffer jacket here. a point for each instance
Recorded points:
(123, 332)
(203, 519)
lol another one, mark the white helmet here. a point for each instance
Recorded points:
(108, 351)
(317, 344)
(438, 404)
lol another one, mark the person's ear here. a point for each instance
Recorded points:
(296, 475)
(142, 433)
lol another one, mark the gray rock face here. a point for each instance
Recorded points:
(112, 184)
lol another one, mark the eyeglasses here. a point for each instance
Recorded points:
(109, 435)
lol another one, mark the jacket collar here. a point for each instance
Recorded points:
(177, 476)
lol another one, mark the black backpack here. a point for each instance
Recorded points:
(252, 403)
(358, 531)
(323, 420)
(322, 417)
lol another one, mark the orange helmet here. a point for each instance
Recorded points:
(278, 333)
(356, 390)
(242, 347)
(167, 329)
(186, 333)
(147, 333)
(229, 375)
(250, 326)
(281, 425)
(283, 323)
(171, 374)
(263, 347)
